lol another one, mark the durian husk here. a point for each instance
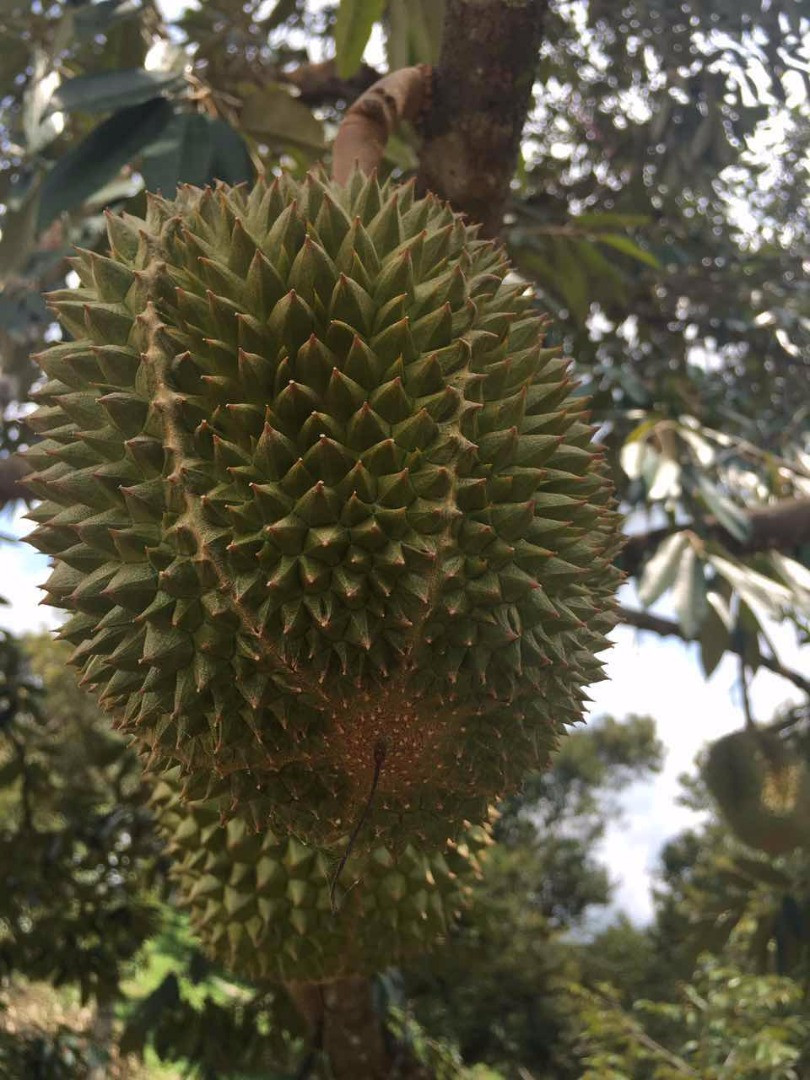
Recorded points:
(315, 490)
(762, 789)
(268, 907)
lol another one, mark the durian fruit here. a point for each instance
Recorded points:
(317, 495)
(762, 789)
(260, 903)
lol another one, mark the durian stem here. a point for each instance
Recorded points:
(379, 759)
(368, 124)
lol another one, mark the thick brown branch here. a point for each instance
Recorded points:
(643, 620)
(481, 95)
(320, 84)
(367, 125)
(780, 526)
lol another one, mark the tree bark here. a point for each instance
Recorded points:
(780, 526)
(346, 1028)
(482, 89)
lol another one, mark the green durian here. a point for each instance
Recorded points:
(316, 493)
(762, 788)
(262, 905)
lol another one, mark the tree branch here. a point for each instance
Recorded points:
(779, 526)
(643, 620)
(481, 95)
(319, 84)
(369, 122)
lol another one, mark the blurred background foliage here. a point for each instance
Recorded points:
(660, 212)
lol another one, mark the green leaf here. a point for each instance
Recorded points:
(753, 586)
(99, 158)
(606, 281)
(275, 115)
(660, 572)
(629, 247)
(794, 575)
(414, 32)
(690, 593)
(746, 635)
(18, 228)
(666, 480)
(91, 19)
(106, 91)
(355, 18)
(612, 221)
(231, 161)
(570, 280)
(731, 517)
(714, 640)
(182, 154)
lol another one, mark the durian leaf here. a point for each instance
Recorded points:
(355, 18)
(92, 19)
(106, 91)
(714, 640)
(195, 149)
(231, 161)
(794, 574)
(690, 593)
(99, 157)
(629, 247)
(414, 32)
(665, 483)
(182, 153)
(17, 234)
(660, 572)
(571, 282)
(614, 221)
(731, 517)
(275, 115)
(752, 586)
(746, 635)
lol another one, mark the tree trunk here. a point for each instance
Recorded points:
(482, 91)
(346, 1028)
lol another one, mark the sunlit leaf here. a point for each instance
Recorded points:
(629, 247)
(751, 585)
(690, 593)
(355, 18)
(666, 479)
(660, 572)
(733, 519)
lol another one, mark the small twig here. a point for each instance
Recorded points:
(379, 758)
(369, 122)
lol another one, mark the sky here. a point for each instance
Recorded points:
(648, 675)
